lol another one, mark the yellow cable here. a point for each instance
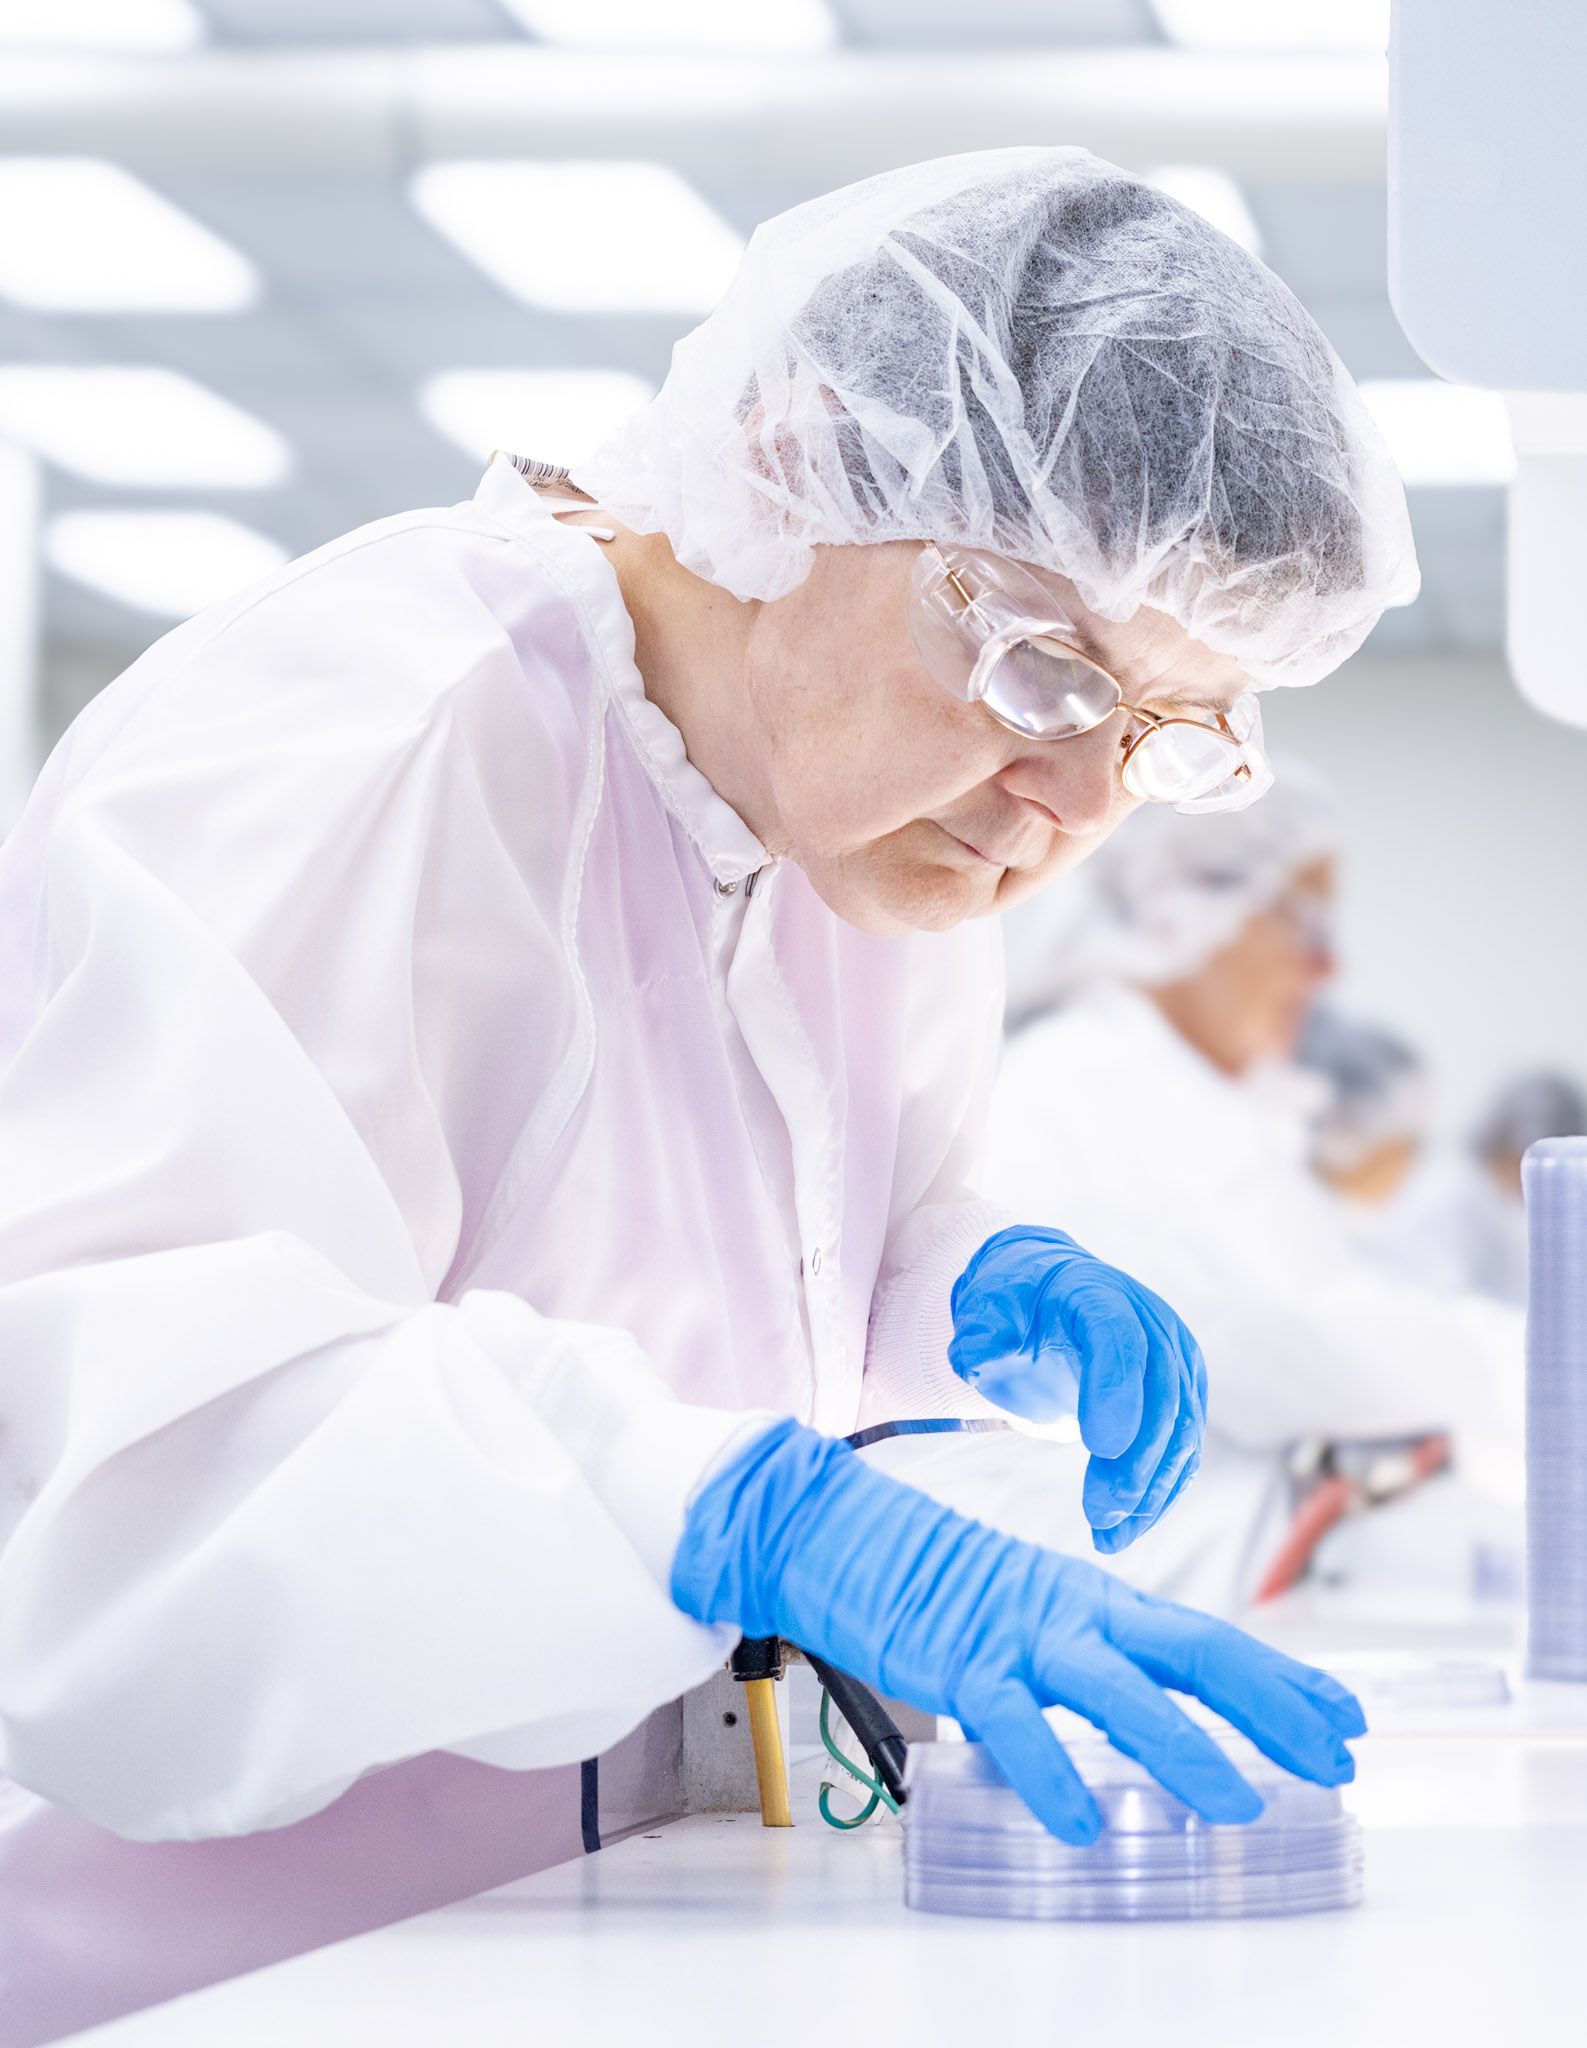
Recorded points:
(771, 1773)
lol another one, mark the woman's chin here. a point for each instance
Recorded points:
(890, 901)
(938, 900)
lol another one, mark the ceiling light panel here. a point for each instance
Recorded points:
(790, 26)
(100, 25)
(143, 427)
(1214, 195)
(348, 24)
(556, 415)
(1358, 28)
(1441, 434)
(169, 564)
(584, 237)
(996, 24)
(79, 235)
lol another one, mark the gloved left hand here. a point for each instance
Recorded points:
(1043, 1329)
(793, 1535)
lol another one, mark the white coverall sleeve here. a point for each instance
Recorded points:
(272, 1513)
(954, 1019)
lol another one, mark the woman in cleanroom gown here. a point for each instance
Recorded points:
(498, 1019)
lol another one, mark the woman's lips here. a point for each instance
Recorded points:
(1002, 862)
(974, 852)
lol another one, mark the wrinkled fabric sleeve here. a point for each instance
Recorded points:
(274, 1511)
(953, 1029)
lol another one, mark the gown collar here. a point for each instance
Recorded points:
(728, 847)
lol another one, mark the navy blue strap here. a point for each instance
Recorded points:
(590, 1804)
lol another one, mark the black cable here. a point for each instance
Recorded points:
(872, 1724)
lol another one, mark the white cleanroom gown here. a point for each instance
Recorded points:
(1108, 1124)
(1451, 1226)
(419, 1151)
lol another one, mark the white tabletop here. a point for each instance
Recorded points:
(714, 1930)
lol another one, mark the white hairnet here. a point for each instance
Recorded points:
(1165, 893)
(1031, 351)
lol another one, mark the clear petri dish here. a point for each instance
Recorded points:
(972, 1846)
(1392, 1682)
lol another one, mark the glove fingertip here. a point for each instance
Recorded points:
(1079, 1829)
(1069, 1812)
(1234, 1806)
(1347, 1726)
(1105, 1432)
(1340, 1709)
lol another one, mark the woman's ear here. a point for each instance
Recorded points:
(775, 448)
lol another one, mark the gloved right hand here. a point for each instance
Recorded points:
(1042, 1328)
(794, 1536)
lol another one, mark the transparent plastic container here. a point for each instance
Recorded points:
(1554, 1176)
(973, 1846)
(1395, 1682)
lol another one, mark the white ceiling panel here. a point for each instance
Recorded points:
(299, 158)
(995, 24)
(322, 22)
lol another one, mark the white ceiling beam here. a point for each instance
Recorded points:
(831, 118)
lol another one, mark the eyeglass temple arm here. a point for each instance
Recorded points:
(952, 576)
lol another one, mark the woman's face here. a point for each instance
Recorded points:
(907, 809)
(1250, 1001)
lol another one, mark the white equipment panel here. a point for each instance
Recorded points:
(1487, 218)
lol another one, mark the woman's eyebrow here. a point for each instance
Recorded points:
(1199, 698)
(1179, 704)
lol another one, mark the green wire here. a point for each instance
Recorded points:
(880, 1796)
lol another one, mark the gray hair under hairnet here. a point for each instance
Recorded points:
(1031, 351)
(1165, 893)
(1527, 1108)
(1377, 1084)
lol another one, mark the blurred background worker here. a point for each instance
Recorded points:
(1371, 1125)
(1459, 1222)
(1149, 1102)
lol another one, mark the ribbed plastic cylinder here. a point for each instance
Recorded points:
(1554, 1179)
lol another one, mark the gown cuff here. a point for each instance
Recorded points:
(907, 1374)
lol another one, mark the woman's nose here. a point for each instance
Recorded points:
(1076, 781)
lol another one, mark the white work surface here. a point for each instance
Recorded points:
(715, 1930)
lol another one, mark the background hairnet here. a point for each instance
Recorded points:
(1527, 1108)
(1031, 351)
(1165, 893)
(1377, 1087)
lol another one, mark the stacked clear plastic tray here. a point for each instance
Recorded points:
(1554, 1175)
(1402, 1682)
(973, 1846)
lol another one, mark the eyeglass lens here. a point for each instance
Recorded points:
(1179, 761)
(1037, 688)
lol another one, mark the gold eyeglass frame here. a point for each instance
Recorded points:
(1151, 720)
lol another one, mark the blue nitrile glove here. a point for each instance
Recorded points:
(795, 1536)
(1043, 1329)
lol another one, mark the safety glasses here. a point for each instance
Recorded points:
(993, 635)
